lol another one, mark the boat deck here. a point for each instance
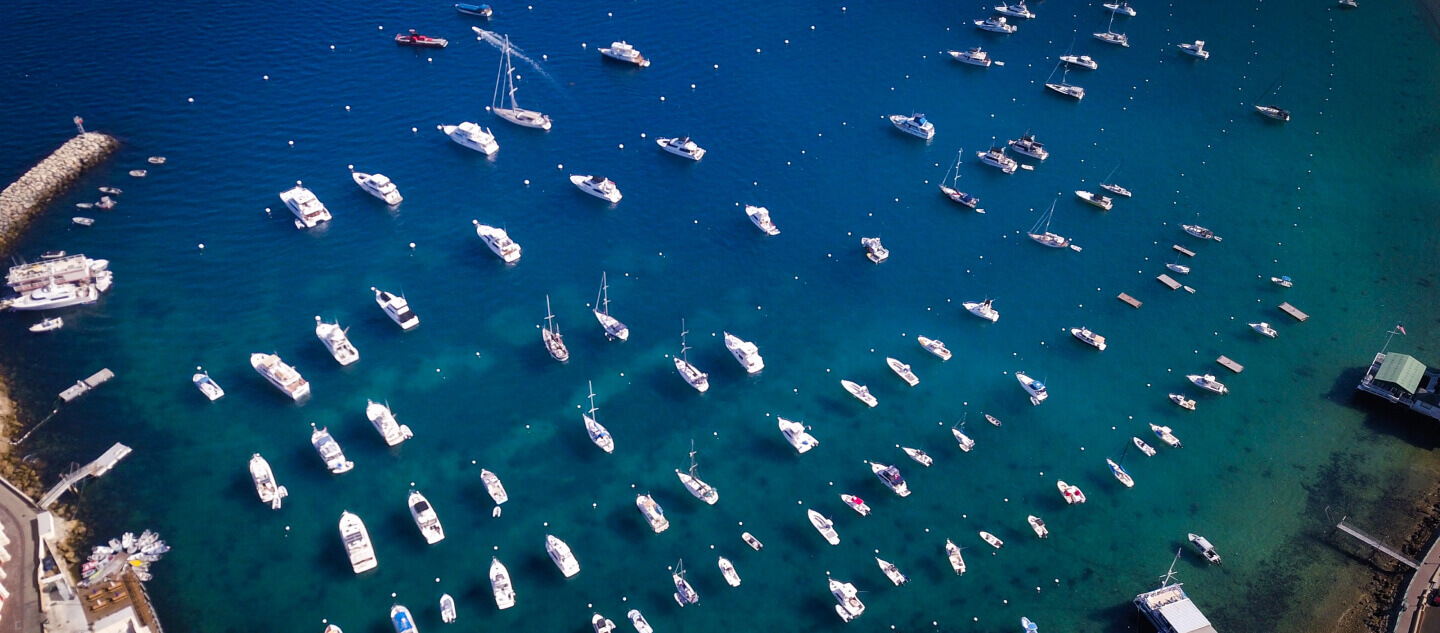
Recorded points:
(1293, 311)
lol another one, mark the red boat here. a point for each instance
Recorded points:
(416, 39)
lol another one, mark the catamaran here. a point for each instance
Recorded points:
(503, 102)
(425, 518)
(934, 347)
(694, 377)
(329, 450)
(1041, 231)
(684, 593)
(499, 242)
(983, 309)
(702, 491)
(824, 526)
(333, 336)
(550, 334)
(796, 434)
(760, 217)
(560, 553)
(745, 352)
(950, 186)
(613, 327)
(598, 434)
(385, 424)
(269, 491)
(357, 543)
(861, 392)
(903, 371)
(500, 584)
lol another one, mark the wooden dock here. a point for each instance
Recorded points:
(1375, 543)
(1230, 364)
(1293, 311)
(100, 466)
(81, 386)
(1171, 283)
(1129, 299)
(1185, 251)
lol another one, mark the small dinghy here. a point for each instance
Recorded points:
(752, 541)
(992, 419)
(994, 541)
(83, 221)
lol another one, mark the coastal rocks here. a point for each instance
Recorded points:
(27, 196)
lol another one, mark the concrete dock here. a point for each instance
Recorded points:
(24, 198)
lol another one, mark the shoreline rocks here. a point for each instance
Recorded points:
(24, 198)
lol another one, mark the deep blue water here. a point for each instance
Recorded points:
(789, 102)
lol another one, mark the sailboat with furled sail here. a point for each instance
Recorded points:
(613, 327)
(1041, 231)
(1272, 111)
(702, 491)
(951, 186)
(598, 434)
(551, 335)
(503, 102)
(696, 378)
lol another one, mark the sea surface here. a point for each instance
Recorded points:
(789, 99)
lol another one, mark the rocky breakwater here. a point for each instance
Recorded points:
(27, 196)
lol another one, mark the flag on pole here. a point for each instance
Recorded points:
(1400, 328)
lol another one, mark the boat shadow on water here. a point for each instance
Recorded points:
(1383, 417)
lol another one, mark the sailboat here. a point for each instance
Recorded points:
(1041, 231)
(1111, 37)
(503, 104)
(958, 431)
(1064, 87)
(613, 327)
(1273, 111)
(702, 491)
(551, 335)
(696, 378)
(953, 191)
(598, 434)
(1112, 187)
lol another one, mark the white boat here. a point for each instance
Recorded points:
(494, 487)
(974, 56)
(1027, 145)
(681, 146)
(684, 593)
(560, 553)
(727, 569)
(602, 624)
(1064, 87)
(1102, 201)
(752, 541)
(637, 619)
(401, 619)
(625, 53)
(653, 513)
(1084, 334)
(874, 251)
(1083, 61)
(1017, 10)
(760, 216)
(597, 186)
(903, 371)
(992, 419)
(283, 376)
(861, 392)
(957, 562)
(892, 572)
(550, 335)
(269, 491)
(385, 424)
(1199, 231)
(1039, 526)
(824, 526)
(1264, 328)
(890, 476)
(745, 352)
(1166, 434)
(499, 242)
(921, 457)
(1147, 449)
(1197, 49)
(994, 541)
(850, 606)
(996, 158)
(335, 340)
(329, 450)
(1071, 493)
(500, 584)
(857, 504)
(378, 185)
(1040, 232)
(934, 347)
(598, 434)
(1348, 4)
(1028, 626)
(1036, 389)
(958, 431)
(996, 25)
(207, 385)
(1120, 474)
(796, 434)
(357, 544)
(54, 296)
(425, 518)
(397, 308)
(1123, 8)
(308, 209)
(915, 125)
(1206, 549)
(503, 102)
(983, 309)
(1285, 282)
(693, 376)
(1209, 383)
(83, 221)
(1111, 37)
(447, 609)
(702, 491)
(1177, 267)
(613, 327)
(950, 186)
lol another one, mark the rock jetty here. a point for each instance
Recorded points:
(28, 195)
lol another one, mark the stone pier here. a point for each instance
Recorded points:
(27, 196)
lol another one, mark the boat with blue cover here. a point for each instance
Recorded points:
(400, 617)
(479, 10)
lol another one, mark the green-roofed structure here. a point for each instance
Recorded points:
(1403, 380)
(1401, 370)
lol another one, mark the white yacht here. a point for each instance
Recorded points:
(550, 335)
(283, 376)
(378, 185)
(1120, 474)
(856, 503)
(983, 309)
(750, 540)
(761, 217)
(270, 492)
(652, 512)
(447, 608)
(1100, 200)
(975, 56)
(55, 296)
(357, 543)
(681, 146)
(892, 572)
(500, 584)
(951, 185)
(694, 377)
(903, 371)
(470, 135)
(702, 491)
(1197, 49)
(207, 385)
(966, 444)
(307, 208)
(727, 569)
(850, 606)
(1208, 382)
(1017, 10)
(613, 327)
(1035, 388)
(597, 186)
(921, 457)
(993, 540)
(684, 593)
(602, 624)
(996, 25)
(1111, 37)
(1091, 338)
(637, 619)
(1123, 8)
(1147, 449)
(824, 526)
(1084, 61)
(861, 392)
(384, 421)
(957, 562)
(499, 242)
(1206, 549)
(329, 450)
(1041, 233)
(1039, 526)
(1027, 145)
(796, 434)
(915, 124)
(874, 250)
(401, 619)
(493, 486)
(425, 518)
(1283, 281)
(1182, 401)
(598, 433)
(996, 158)
(890, 476)
(625, 53)
(1265, 329)
(397, 308)
(502, 103)
(1072, 494)
(333, 336)
(561, 554)
(1177, 267)
(745, 352)
(934, 347)
(1199, 231)
(1166, 434)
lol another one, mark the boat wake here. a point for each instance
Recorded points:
(495, 39)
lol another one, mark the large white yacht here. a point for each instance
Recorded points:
(333, 336)
(425, 518)
(378, 185)
(329, 450)
(625, 53)
(681, 146)
(561, 554)
(357, 543)
(283, 376)
(983, 309)
(471, 135)
(890, 476)
(654, 514)
(308, 209)
(975, 56)
(499, 242)
(1028, 146)
(383, 418)
(693, 376)
(745, 352)
(397, 308)
(760, 216)
(850, 606)
(996, 158)
(1017, 10)
(1084, 61)
(874, 250)
(702, 491)
(1197, 49)
(915, 124)
(56, 296)
(796, 434)
(270, 492)
(1084, 334)
(824, 526)
(1036, 389)
(1209, 383)
(493, 486)
(597, 186)
(996, 25)
(500, 584)
(613, 327)
(598, 433)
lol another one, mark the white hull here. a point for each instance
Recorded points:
(425, 518)
(383, 419)
(500, 585)
(53, 297)
(934, 347)
(957, 562)
(760, 217)
(683, 147)
(694, 377)
(379, 186)
(702, 491)
(270, 492)
(892, 572)
(309, 211)
(614, 329)
(599, 434)
(603, 188)
(860, 392)
(890, 476)
(903, 371)
(330, 451)
(283, 376)
(983, 310)
(333, 336)
(357, 543)
(494, 487)
(824, 526)
(796, 435)
(498, 241)
(745, 353)
(653, 513)
(472, 136)
(727, 569)
(562, 556)
(207, 386)
(397, 308)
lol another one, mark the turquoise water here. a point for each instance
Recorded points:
(1340, 198)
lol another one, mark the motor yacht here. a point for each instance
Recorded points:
(745, 352)
(1039, 526)
(560, 553)
(684, 593)
(1197, 49)
(890, 476)
(975, 56)
(597, 186)
(996, 25)
(760, 216)
(1206, 549)
(874, 251)
(903, 371)
(727, 569)
(269, 491)
(1035, 388)
(1123, 8)
(681, 146)
(983, 309)
(861, 392)
(1177, 267)
(1017, 10)
(1209, 383)
(493, 486)
(921, 457)
(1071, 493)
(500, 584)
(1104, 202)
(378, 185)
(693, 376)
(652, 512)
(1120, 474)
(957, 562)
(499, 242)
(329, 450)
(996, 158)
(383, 419)
(892, 572)
(1091, 338)
(1084, 61)
(335, 340)
(357, 544)
(637, 619)
(471, 135)
(850, 606)
(1264, 328)
(207, 385)
(1147, 449)
(625, 53)
(602, 624)
(1284, 282)
(425, 518)
(856, 503)
(796, 434)
(308, 209)
(397, 308)
(478, 10)
(934, 347)
(915, 124)
(1166, 434)
(1026, 145)
(824, 526)
(283, 376)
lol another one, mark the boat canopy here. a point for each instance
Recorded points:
(1401, 370)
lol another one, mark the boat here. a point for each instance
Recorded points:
(447, 609)
(425, 518)
(1264, 328)
(992, 419)
(269, 491)
(625, 53)
(1064, 87)
(1206, 549)
(745, 352)
(892, 572)
(1099, 200)
(753, 542)
(975, 56)
(1071, 493)
(598, 434)
(983, 309)
(996, 158)
(796, 434)
(890, 476)
(1208, 382)
(283, 376)
(855, 503)
(684, 593)
(1199, 231)
(1084, 61)
(550, 335)
(653, 513)
(106, 203)
(1111, 37)
(637, 619)
(994, 541)
(923, 458)
(1123, 8)
(1039, 526)
(357, 545)
(959, 432)
(560, 553)
(378, 185)
(420, 41)
(1041, 231)
(1112, 187)
(1017, 10)
(1166, 435)
(50, 325)
(1272, 111)
(702, 491)
(329, 450)
(613, 327)
(1084, 334)
(950, 186)
(934, 347)
(1197, 49)
(493, 486)
(874, 251)
(957, 562)
(83, 221)
(397, 308)
(85, 205)
(1147, 449)
(727, 569)
(1348, 4)
(850, 606)
(915, 125)
(499, 242)
(503, 102)
(597, 186)
(861, 392)
(602, 624)
(470, 134)
(308, 209)
(402, 620)
(1035, 388)
(996, 25)
(903, 371)
(681, 146)
(760, 216)
(112, 191)
(693, 376)
(1177, 267)
(480, 10)
(333, 336)
(500, 584)
(207, 385)
(156, 160)
(383, 419)
(1026, 145)
(1284, 282)
(1028, 626)
(138, 173)
(1120, 474)
(55, 296)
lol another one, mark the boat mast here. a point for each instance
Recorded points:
(550, 317)
(500, 75)
(1112, 173)
(956, 180)
(1165, 580)
(683, 347)
(592, 400)
(605, 293)
(693, 465)
(1045, 220)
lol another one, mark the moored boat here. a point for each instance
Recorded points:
(681, 146)
(951, 185)
(745, 353)
(329, 450)
(796, 434)
(1206, 549)
(447, 609)
(1182, 401)
(1072, 494)
(1147, 449)
(1017, 10)
(626, 53)
(1197, 49)
(861, 392)
(995, 157)
(1039, 526)
(983, 309)
(890, 476)
(966, 444)
(684, 593)
(850, 606)
(921, 457)
(702, 491)
(727, 569)
(1209, 383)
(48, 325)
(397, 308)
(652, 512)
(1177, 267)
(957, 562)
(856, 503)
(1123, 8)
(560, 553)
(1120, 474)
(996, 25)
(692, 375)
(1284, 282)
(1104, 202)
(470, 134)
(503, 101)
(892, 572)
(425, 518)
(270, 492)
(421, 41)
(614, 329)
(602, 624)
(1037, 390)
(207, 385)
(308, 209)
(752, 541)
(498, 241)
(500, 584)
(378, 185)
(1026, 145)
(993, 540)
(915, 125)
(975, 56)
(1084, 334)
(283, 376)
(401, 619)
(992, 419)
(494, 487)
(357, 544)
(903, 371)
(1083, 61)
(760, 216)
(637, 619)
(1166, 434)
(335, 339)
(1265, 329)
(598, 433)
(934, 347)
(1041, 233)
(1199, 231)
(550, 335)
(875, 251)
(479, 10)
(383, 419)
(597, 186)
(824, 526)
